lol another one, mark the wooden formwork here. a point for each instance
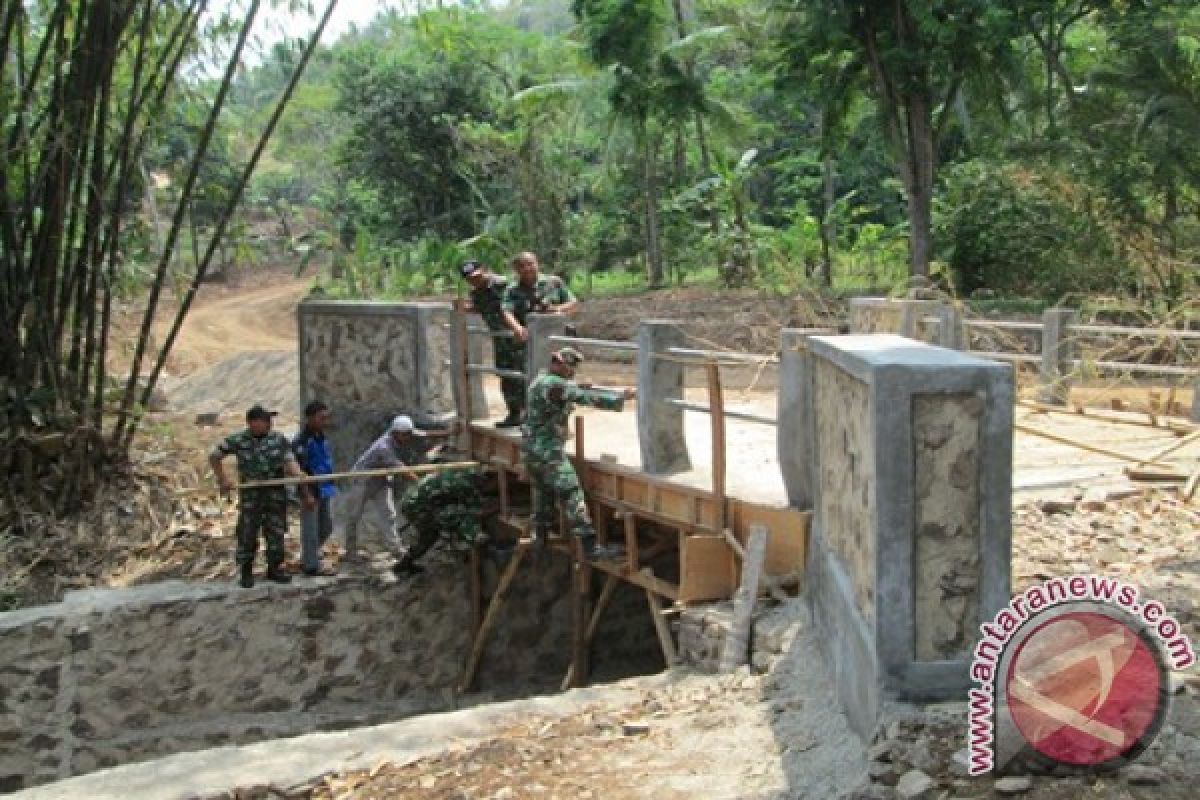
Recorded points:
(621, 496)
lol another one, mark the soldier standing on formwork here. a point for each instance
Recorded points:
(552, 397)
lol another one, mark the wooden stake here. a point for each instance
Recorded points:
(633, 556)
(581, 595)
(1189, 488)
(606, 595)
(716, 405)
(660, 627)
(1084, 446)
(489, 619)
(737, 642)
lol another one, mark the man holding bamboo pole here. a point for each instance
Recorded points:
(262, 454)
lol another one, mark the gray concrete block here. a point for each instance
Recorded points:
(795, 436)
(912, 532)
(660, 426)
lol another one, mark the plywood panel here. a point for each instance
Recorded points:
(787, 544)
(707, 570)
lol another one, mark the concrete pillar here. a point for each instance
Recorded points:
(434, 359)
(660, 426)
(1058, 354)
(472, 388)
(539, 347)
(1196, 399)
(794, 435)
(911, 540)
(950, 326)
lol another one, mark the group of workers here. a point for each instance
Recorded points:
(444, 503)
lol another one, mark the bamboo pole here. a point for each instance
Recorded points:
(337, 476)
(1084, 446)
(489, 619)
(1178, 445)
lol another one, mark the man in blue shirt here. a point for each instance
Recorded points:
(315, 457)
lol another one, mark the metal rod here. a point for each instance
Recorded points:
(1157, 333)
(606, 344)
(745, 416)
(742, 358)
(1003, 324)
(503, 373)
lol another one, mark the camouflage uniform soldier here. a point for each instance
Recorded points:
(487, 298)
(445, 503)
(552, 398)
(531, 294)
(261, 455)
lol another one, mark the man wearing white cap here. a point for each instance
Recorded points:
(402, 446)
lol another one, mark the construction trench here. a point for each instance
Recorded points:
(892, 524)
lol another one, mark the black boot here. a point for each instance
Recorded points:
(275, 574)
(247, 579)
(406, 566)
(513, 420)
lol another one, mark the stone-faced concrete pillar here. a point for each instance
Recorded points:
(660, 426)
(950, 326)
(539, 347)
(434, 361)
(911, 545)
(472, 386)
(794, 433)
(1058, 355)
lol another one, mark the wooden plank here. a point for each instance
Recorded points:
(645, 579)
(706, 569)
(787, 547)
(716, 406)
(489, 619)
(662, 519)
(660, 627)
(1189, 488)
(1166, 451)
(632, 556)
(737, 641)
(606, 594)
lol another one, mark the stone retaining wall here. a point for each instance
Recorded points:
(112, 676)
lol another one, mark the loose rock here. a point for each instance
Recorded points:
(914, 785)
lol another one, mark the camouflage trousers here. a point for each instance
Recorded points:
(555, 485)
(510, 354)
(265, 513)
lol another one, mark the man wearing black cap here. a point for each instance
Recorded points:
(486, 299)
(262, 454)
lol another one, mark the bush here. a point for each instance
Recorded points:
(1006, 228)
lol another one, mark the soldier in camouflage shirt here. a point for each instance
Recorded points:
(552, 398)
(531, 294)
(486, 299)
(446, 504)
(261, 455)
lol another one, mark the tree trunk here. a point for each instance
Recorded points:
(828, 225)
(919, 171)
(654, 261)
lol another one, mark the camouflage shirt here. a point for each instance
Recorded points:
(448, 500)
(489, 301)
(521, 300)
(259, 458)
(551, 400)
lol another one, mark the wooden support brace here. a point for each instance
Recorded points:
(716, 405)
(660, 627)
(606, 595)
(475, 589)
(772, 584)
(489, 619)
(737, 643)
(581, 595)
(1166, 451)
(632, 556)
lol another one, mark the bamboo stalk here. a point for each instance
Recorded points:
(1085, 446)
